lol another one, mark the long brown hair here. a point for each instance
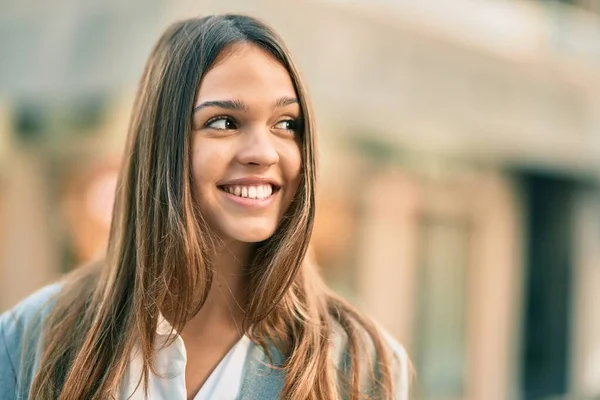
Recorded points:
(160, 247)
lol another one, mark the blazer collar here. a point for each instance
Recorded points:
(260, 380)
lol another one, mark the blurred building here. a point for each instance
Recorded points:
(460, 142)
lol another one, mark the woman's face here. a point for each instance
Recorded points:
(246, 144)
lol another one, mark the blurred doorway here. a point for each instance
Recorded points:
(549, 264)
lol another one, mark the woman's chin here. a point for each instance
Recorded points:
(251, 234)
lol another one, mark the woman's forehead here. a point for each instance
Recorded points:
(247, 73)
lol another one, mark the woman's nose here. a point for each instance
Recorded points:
(258, 148)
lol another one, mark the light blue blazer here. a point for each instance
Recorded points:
(17, 369)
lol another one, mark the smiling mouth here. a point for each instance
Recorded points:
(255, 192)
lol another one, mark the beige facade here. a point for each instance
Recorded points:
(427, 240)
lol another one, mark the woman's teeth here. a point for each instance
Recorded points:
(260, 192)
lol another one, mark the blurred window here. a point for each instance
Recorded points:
(444, 250)
(47, 122)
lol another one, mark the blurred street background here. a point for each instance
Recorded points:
(459, 196)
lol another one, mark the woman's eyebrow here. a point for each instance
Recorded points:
(284, 101)
(238, 105)
(226, 104)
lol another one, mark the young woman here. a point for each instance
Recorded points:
(206, 291)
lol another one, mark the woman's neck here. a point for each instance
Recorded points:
(224, 308)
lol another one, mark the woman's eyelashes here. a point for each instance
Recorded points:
(288, 125)
(225, 123)
(221, 123)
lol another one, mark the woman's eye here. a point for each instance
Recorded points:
(221, 123)
(288, 125)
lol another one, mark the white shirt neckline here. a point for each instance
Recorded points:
(225, 380)
(223, 383)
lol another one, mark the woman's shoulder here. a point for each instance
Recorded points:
(402, 369)
(20, 322)
(400, 362)
(340, 342)
(33, 308)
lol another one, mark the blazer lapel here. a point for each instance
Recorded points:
(260, 380)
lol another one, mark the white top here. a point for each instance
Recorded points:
(222, 384)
